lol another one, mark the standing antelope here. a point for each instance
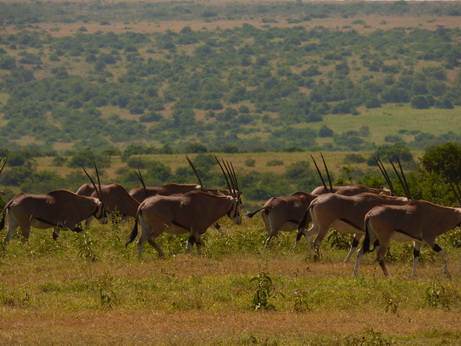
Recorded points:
(59, 209)
(285, 214)
(418, 221)
(192, 212)
(345, 214)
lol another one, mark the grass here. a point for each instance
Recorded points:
(88, 288)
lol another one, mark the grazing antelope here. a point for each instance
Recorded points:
(345, 214)
(59, 209)
(285, 214)
(417, 221)
(192, 212)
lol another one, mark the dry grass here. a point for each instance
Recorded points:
(50, 294)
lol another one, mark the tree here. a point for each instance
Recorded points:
(444, 160)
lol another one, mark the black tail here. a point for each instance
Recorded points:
(133, 233)
(366, 242)
(251, 214)
(2, 222)
(305, 220)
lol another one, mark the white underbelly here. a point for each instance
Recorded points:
(344, 227)
(402, 237)
(173, 229)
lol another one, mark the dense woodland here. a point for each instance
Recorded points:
(241, 89)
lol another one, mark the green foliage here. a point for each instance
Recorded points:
(444, 160)
(264, 292)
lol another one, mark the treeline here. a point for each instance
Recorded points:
(293, 12)
(248, 88)
(427, 177)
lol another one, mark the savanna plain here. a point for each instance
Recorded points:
(88, 288)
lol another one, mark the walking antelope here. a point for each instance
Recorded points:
(418, 221)
(192, 212)
(116, 199)
(345, 214)
(59, 209)
(285, 214)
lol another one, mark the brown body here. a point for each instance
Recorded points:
(140, 193)
(349, 190)
(418, 222)
(58, 209)
(115, 197)
(192, 213)
(345, 214)
(285, 214)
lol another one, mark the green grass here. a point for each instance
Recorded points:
(392, 119)
(89, 288)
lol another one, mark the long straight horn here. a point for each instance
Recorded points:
(225, 176)
(233, 177)
(407, 187)
(456, 190)
(97, 176)
(195, 171)
(385, 174)
(320, 174)
(92, 182)
(328, 173)
(4, 163)
(402, 180)
(141, 179)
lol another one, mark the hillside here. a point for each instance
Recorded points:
(229, 77)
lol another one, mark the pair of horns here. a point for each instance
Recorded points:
(141, 179)
(401, 176)
(320, 173)
(96, 188)
(231, 177)
(456, 190)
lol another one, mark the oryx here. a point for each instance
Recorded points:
(116, 199)
(417, 221)
(59, 209)
(192, 212)
(345, 214)
(285, 214)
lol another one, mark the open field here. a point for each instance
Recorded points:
(89, 288)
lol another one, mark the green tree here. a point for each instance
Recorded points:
(444, 160)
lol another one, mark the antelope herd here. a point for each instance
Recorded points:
(356, 209)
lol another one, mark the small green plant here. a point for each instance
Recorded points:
(436, 295)
(391, 304)
(85, 247)
(264, 291)
(300, 301)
